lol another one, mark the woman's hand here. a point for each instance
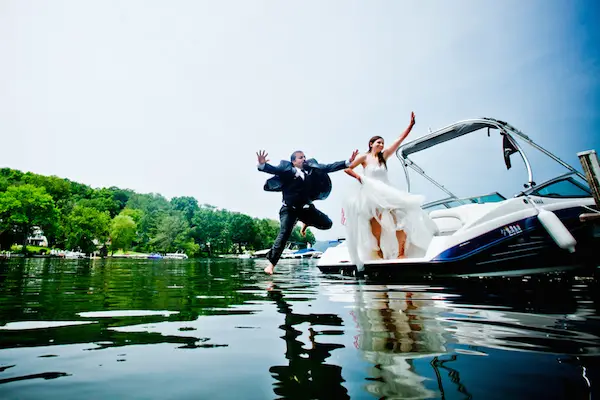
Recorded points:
(353, 174)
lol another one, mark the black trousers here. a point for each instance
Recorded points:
(288, 216)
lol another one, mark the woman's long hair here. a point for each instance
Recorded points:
(380, 154)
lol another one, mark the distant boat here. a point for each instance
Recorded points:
(155, 256)
(303, 253)
(263, 253)
(176, 256)
(73, 254)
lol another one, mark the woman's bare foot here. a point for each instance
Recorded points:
(269, 269)
(303, 229)
(377, 254)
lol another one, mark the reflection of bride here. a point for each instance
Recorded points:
(381, 220)
(396, 331)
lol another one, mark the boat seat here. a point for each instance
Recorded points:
(450, 220)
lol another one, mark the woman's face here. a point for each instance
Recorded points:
(377, 146)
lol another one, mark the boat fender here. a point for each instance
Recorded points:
(557, 230)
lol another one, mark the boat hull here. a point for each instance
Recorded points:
(529, 251)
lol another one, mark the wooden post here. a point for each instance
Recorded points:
(589, 162)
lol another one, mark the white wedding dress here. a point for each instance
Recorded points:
(394, 209)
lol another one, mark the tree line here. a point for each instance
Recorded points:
(78, 217)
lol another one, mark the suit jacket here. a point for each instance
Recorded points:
(297, 191)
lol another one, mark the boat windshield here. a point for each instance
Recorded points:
(561, 187)
(452, 202)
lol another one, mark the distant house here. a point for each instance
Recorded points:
(37, 238)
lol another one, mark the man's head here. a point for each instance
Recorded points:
(298, 158)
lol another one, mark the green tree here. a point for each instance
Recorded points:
(172, 234)
(58, 188)
(136, 215)
(187, 205)
(121, 196)
(242, 229)
(4, 183)
(25, 206)
(266, 232)
(102, 204)
(13, 176)
(148, 202)
(122, 232)
(300, 240)
(211, 226)
(83, 226)
(80, 191)
(154, 208)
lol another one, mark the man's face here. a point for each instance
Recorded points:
(299, 161)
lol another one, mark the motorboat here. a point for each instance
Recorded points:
(263, 253)
(175, 256)
(302, 253)
(539, 229)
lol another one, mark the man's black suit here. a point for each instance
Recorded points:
(298, 194)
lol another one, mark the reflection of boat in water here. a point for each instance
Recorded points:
(423, 342)
(538, 228)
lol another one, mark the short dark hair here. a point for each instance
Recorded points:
(293, 156)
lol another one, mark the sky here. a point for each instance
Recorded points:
(176, 98)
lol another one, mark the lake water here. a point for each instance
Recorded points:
(222, 329)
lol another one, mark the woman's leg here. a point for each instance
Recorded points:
(376, 230)
(401, 236)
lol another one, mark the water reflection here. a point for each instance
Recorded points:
(307, 372)
(395, 331)
(38, 297)
(427, 342)
(191, 329)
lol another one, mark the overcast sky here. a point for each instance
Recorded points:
(176, 97)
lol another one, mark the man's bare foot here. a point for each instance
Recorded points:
(269, 269)
(303, 230)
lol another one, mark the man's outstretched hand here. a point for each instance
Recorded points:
(354, 154)
(262, 157)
